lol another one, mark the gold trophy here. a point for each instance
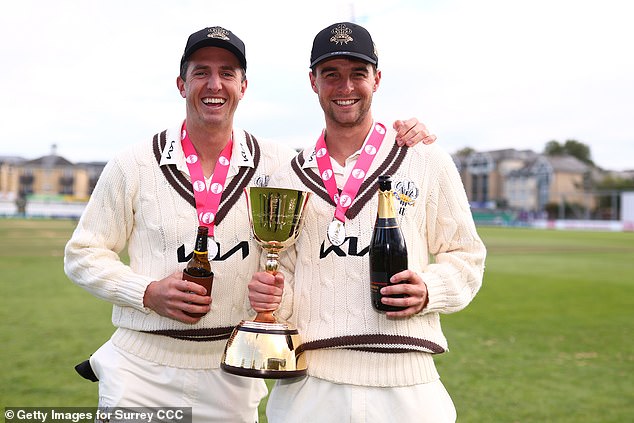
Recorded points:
(267, 347)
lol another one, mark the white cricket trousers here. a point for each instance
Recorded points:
(126, 380)
(309, 399)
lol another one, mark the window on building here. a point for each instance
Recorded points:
(66, 182)
(26, 181)
(543, 175)
(485, 187)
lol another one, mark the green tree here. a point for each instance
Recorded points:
(578, 150)
(571, 147)
(553, 148)
(615, 183)
(466, 151)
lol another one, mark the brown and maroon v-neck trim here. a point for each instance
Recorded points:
(183, 186)
(368, 188)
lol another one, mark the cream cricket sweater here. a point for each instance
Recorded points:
(151, 209)
(327, 288)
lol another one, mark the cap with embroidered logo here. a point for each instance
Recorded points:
(215, 37)
(343, 39)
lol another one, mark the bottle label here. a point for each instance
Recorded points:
(376, 287)
(205, 281)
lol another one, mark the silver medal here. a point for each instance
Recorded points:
(212, 247)
(336, 232)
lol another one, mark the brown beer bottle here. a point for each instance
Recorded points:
(388, 252)
(198, 268)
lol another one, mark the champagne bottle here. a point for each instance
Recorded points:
(198, 268)
(388, 252)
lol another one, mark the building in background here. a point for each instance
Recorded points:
(548, 182)
(509, 185)
(46, 186)
(503, 186)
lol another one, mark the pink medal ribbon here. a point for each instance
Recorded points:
(336, 228)
(207, 200)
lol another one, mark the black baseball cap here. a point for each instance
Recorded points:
(343, 39)
(215, 37)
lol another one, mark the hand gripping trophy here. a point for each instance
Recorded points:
(267, 347)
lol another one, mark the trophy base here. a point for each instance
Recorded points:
(264, 350)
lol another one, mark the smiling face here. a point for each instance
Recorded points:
(345, 88)
(213, 86)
